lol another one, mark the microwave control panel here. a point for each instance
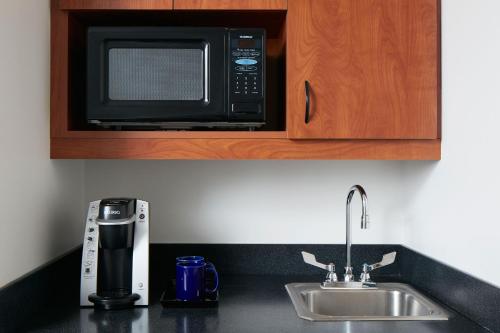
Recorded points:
(247, 74)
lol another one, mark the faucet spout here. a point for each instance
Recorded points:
(348, 276)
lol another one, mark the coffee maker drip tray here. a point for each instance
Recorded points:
(113, 302)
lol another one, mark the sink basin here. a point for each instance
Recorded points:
(389, 301)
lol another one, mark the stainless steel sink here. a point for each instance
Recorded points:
(389, 301)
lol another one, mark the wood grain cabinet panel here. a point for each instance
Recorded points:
(231, 4)
(114, 4)
(372, 67)
(245, 149)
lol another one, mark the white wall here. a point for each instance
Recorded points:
(41, 200)
(452, 206)
(254, 201)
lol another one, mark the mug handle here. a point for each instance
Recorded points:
(211, 268)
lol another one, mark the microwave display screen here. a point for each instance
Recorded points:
(156, 74)
(246, 43)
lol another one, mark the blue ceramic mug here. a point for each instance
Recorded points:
(191, 279)
(195, 259)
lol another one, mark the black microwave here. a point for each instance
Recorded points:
(176, 77)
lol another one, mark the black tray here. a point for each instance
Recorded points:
(168, 299)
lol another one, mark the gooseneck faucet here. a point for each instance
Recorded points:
(348, 276)
(349, 282)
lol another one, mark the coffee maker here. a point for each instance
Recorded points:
(115, 258)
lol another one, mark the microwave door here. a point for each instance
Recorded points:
(173, 75)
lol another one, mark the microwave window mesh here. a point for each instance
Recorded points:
(156, 74)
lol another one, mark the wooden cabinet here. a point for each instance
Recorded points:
(372, 68)
(230, 4)
(112, 4)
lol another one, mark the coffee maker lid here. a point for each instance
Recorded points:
(116, 209)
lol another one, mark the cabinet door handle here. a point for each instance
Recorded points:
(308, 102)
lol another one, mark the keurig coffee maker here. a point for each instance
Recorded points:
(115, 259)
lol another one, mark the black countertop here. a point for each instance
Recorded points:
(247, 304)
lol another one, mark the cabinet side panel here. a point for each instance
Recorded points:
(58, 72)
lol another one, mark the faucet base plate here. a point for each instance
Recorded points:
(348, 285)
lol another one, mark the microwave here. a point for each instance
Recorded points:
(176, 77)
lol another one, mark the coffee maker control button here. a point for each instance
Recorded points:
(90, 239)
(88, 267)
(141, 285)
(142, 216)
(91, 229)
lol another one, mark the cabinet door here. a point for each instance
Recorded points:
(372, 68)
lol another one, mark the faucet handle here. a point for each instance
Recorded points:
(387, 259)
(310, 259)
